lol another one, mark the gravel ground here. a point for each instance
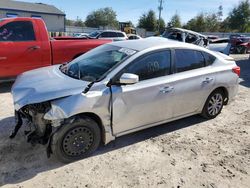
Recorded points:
(191, 152)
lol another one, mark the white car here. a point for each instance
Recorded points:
(109, 34)
(133, 37)
(220, 45)
(120, 88)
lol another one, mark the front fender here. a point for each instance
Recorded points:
(94, 102)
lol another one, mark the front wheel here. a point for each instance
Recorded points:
(213, 105)
(76, 140)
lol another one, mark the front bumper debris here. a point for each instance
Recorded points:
(19, 123)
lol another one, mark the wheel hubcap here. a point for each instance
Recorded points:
(215, 104)
(77, 141)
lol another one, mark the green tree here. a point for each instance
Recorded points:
(102, 17)
(175, 21)
(148, 21)
(239, 17)
(162, 25)
(131, 24)
(204, 23)
(224, 27)
(220, 13)
(197, 23)
(69, 22)
(212, 23)
(79, 22)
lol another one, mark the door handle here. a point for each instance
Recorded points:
(3, 58)
(166, 89)
(207, 80)
(34, 47)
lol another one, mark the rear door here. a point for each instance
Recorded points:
(194, 79)
(148, 101)
(20, 50)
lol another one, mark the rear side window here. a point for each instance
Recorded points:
(112, 34)
(120, 35)
(186, 59)
(150, 66)
(209, 58)
(17, 31)
(109, 34)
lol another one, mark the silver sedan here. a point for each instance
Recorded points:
(120, 88)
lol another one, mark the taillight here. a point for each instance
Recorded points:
(236, 70)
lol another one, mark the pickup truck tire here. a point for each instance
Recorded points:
(76, 140)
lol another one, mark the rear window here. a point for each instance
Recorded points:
(186, 59)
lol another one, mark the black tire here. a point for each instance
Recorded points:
(76, 140)
(214, 104)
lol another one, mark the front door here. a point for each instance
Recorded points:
(148, 101)
(19, 50)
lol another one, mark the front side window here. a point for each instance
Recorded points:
(94, 34)
(17, 31)
(97, 63)
(151, 66)
(173, 35)
(186, 59)
(190, 38)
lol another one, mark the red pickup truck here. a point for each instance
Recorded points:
(25, 45)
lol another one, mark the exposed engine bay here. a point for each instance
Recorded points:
(37, 129)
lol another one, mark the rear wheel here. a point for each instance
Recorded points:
(214, 104)
(76, 140)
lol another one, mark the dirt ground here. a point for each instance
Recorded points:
(189, 153)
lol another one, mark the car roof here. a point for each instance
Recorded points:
(154, 42)
(116, 31)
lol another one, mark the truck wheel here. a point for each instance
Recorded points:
(76, 140)
(213, 105)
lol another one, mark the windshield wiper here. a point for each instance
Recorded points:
(88, 87)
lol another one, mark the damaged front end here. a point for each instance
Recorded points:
(37, 129)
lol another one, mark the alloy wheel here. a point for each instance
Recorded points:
(215, 104)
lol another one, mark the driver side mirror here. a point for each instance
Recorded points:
(128, 79)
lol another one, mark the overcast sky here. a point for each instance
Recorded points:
(132, 9)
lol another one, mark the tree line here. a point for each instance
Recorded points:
(238, 20)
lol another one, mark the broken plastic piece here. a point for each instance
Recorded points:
(19, 123)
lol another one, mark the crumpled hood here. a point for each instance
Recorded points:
(44, 84)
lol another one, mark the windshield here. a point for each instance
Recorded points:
(174, 35)
(95, 64)
(94, 34)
